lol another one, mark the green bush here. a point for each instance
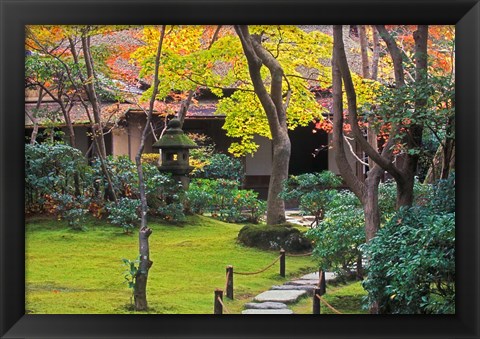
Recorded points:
(274, 238)
(411, 261)
(221, 166)
(312, 190)
(53, 168)
(339, 235)
(224, 200)
(124, 214)
(72, 209)
(164, 195)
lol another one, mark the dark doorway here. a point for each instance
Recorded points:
(309, 150)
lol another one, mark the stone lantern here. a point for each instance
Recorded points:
(174, 151)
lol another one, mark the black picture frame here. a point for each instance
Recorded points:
(14, 323)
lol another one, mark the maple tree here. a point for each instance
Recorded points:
(190, 64)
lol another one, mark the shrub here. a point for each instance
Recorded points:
(338, 236)
(123, 174)
(72, 209)
(224, 200)
(53, 168)
(221, 166)
(124, 214)
(312, 190)
(164, 194)
(411, 266)
(274, 238)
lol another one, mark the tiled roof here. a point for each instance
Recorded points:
(114, 112)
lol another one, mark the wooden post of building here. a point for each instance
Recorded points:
(321, 283)
(229, 289)
(218, 308)
(282, 263)
(316, 301)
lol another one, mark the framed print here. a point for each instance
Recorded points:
(52, 272)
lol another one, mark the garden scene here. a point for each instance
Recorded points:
(240, 169)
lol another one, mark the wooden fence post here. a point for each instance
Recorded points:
(229, 289)
(282, 263)
(321, 283)
(218, 308)
(316, 301)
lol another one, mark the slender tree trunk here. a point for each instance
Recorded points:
(140, 289)
(376, 53)
(33, 137)
(274, 108)
(92, 97)
(68, 121)
(449, 149)
(97, 127)
(414, 137)
(362, 30)
(182, 112)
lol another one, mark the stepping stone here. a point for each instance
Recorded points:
(302, 282)
(283, 296)
(265, 305)
(314, 276)
(283, 311)
(308, 288)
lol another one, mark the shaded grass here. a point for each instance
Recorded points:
(82, 271)
(345, 298)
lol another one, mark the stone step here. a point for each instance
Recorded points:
(282, 296)
(314, 276)
(265, 305)
(281, 311)
(302, 282)
(308, 288)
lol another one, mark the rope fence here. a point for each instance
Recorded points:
(262, 270)
(299, 255)
(223, 305)
(328, 305)
(229, 274)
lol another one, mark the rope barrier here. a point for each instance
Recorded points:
(262, 270)
(328, 305)
(299, 255)
(223, 305)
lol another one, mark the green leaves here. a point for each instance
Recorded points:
(411, 266)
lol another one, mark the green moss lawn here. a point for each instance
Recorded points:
(82, 271)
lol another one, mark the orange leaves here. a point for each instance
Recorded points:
(325, 125)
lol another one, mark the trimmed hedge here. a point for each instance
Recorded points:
(267, 237)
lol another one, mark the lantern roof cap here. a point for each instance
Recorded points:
(174, 137)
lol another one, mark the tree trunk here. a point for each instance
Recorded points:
(182, 112)
(92, 97)
(33, 137)
(370, 207)
(362, 30)
(414, 137)
(140, 290)
(281, 158)
(274, 108)
(97, 127)
(376, 53)
(449, 149)
(140, 287)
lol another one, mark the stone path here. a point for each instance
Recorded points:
(279, 297)
(293, 216)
